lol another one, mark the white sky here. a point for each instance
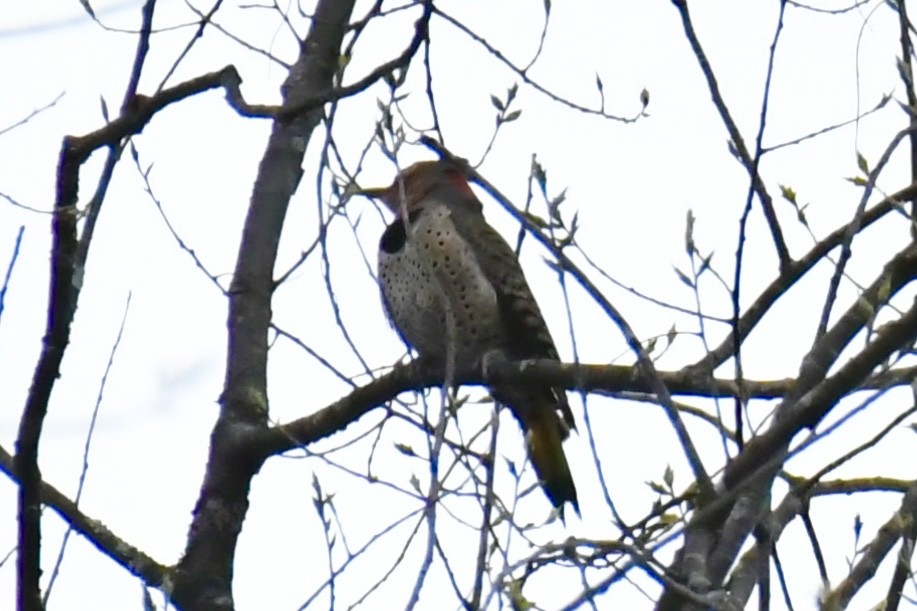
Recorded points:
(631, 184)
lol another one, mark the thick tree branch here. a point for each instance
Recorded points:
(204, 574)
(750, 474)
(854, 229)
(151, 572)
(68, 262)
(63, 295)
(896, 528)
(906, 72)
(572, 376)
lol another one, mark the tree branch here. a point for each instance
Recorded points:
(811, 398)
(131, 558)
(865, 568)
(738, 142)
(790, 275)
(203, 578)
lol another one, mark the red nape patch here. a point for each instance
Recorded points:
(459, 181)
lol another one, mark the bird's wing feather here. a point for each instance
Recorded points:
(526, 329)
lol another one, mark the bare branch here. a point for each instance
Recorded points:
(204, 574)
(897, 526)
(32, 115)
(131, 558)
(791, 274)
(748, 162)
(9, 268)
(805, 405)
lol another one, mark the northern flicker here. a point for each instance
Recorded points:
(453, 289)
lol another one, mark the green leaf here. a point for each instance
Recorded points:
(405, 449)
(658, 488)
(554, 266)
(651, 345)
(512, 116)
(498, 104)
(645, 98)
(862, 164)
(885, 98)
(669, 518)
(801, 215)
(684, 278)
(512, 469)
(104, 108)
(554, 204)
(672, 334)
(788, 194)
(511, 93)
(705, 263)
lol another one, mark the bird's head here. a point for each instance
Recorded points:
(416, 182)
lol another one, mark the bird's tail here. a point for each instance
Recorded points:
(544, 434)
(544, 441)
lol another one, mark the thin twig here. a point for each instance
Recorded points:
(17, 244)
(89, 434)
(738, 142)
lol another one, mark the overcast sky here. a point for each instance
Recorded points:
(632, 185)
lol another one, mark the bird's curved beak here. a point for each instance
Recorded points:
(372, 193)
(382, 194)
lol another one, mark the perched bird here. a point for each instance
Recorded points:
(454, 291)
